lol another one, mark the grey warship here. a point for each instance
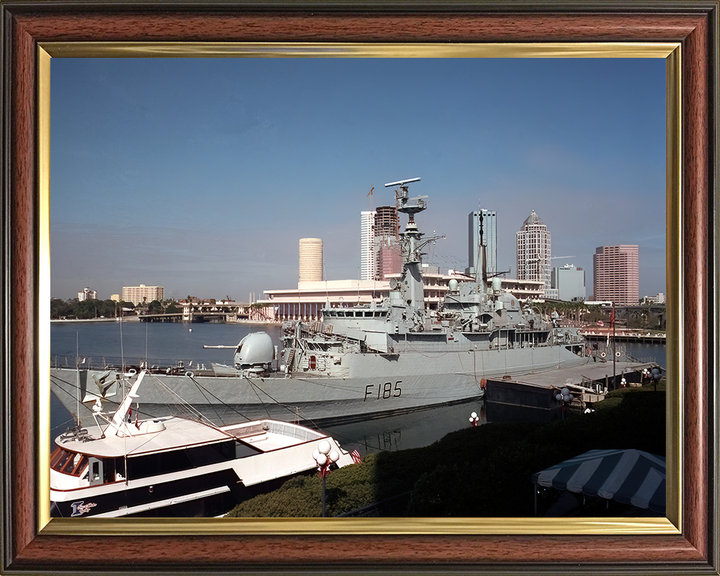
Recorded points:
(363, 361)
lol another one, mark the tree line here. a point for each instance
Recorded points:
(74, 309)
(646, 316)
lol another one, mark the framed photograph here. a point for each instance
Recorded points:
(684, 34)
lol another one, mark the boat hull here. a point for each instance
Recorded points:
(373, 385)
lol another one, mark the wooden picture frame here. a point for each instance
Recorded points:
(687, 542)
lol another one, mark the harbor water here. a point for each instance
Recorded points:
(165, 344)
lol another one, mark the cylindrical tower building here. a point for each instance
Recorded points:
(311, 260)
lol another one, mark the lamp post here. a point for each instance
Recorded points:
(565, 397)
(324, 458)
(474, 419)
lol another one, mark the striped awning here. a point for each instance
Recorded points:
(628, 476)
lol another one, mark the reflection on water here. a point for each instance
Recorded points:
(415, 430)
(507, 413)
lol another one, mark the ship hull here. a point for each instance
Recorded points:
(370, 386)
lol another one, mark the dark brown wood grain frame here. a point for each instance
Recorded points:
(28, 24)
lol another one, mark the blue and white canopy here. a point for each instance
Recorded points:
(627, 476)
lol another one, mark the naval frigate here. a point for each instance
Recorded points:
(361, 361)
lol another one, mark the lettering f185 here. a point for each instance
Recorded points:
(384, 391)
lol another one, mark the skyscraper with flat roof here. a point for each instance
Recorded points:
(489, 240)
(616, 274)
(569, 282)
(533, 248)
(142, 293)
(367, 245)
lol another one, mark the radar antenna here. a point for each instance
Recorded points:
(409, 206)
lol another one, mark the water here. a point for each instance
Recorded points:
(159, 343)
(642, 351)
(164, 344)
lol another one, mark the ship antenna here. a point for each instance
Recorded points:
(401, 199)
(412, 283)
(483, 255)
(77, 377)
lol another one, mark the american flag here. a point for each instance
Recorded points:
(356, 456)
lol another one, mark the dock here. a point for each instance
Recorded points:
(588, 383)
(642, 336)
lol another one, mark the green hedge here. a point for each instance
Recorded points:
(474, 472)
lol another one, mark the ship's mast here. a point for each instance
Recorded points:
(412, 281)
(481, 265)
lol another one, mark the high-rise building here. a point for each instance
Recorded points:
(616, 275)
(311, 260)
(386, 232)
(569, 282)
(367, 245)
(87, 294)
(489, 218)
(142, 293)
(379, 243)
(533, 248)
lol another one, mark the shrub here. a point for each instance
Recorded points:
(484, 471)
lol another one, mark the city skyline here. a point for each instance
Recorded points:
(202, 175)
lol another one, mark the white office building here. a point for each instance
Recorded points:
(533, 251)
(569, 282)
(87, 294)
(367, 245)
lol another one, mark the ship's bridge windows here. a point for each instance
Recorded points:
(67, 462)
(321, 346)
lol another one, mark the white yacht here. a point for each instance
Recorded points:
(172, 466)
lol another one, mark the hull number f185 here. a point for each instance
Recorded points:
(384, 391)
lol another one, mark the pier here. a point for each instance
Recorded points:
(209, 310)
(598, 334)
(588, 383)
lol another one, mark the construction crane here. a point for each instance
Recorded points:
(370, 194)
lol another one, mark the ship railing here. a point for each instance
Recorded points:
(156, 366)
(273, 427)
(90, 363)
(298, 432)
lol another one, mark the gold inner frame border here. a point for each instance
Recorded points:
(670, 51)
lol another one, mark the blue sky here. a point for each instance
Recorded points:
(201, 175)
